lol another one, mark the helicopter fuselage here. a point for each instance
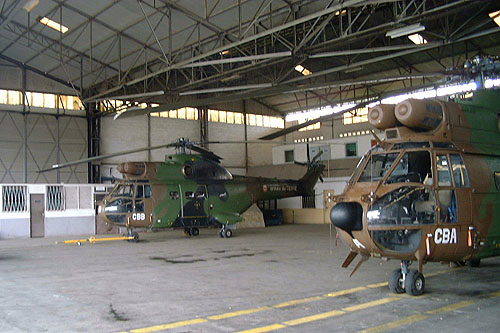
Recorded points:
(190, 191)
(428, 193)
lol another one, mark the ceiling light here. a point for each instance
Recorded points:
(301, 69)
(404, 31)
(338, 12)
(495, 16)
(52, 24)
(224, 52)
(30, 4)
(417, 39)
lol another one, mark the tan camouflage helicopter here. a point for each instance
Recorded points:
(429, 191)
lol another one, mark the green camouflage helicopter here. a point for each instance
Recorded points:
(190, 191)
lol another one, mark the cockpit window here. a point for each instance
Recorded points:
(410, 145)
(443, 170)
(357, 170)
(459, 171)
(123, 190)
(119, 206)
(377, 167)
(446, 145)
(414, 166)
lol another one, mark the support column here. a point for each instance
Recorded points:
(25, 130)
(94, 142)
(246, 134)
(203, 117)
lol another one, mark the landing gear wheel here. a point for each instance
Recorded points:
(227, 233)
(133, 234)
(195, 232)
(474, 262)
(221, 233)
(187, 232)
(396, 282)
(414, 283)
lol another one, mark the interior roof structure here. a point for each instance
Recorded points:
(199, 53)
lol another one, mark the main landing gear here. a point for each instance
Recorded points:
(191, 231)
(225, 231)
(409, 280)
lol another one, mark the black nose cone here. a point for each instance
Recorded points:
(347, 216)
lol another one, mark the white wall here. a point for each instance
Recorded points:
(78, 217)
(337, 148)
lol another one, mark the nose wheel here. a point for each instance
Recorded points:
(133, 234)
(409, 280)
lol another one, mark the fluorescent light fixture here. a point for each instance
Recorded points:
(417, 39)
(52, 24)
(30, 4)
(495, 16)
(302, 70)
(404, 31)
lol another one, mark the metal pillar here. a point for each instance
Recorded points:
(25, 130)
(246, 134)
(94, 142)
(203, 117)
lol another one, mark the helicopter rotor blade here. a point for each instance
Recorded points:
(194, 146)
(101, 157)
(317, 156)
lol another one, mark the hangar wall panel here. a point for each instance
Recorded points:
(136, 132)
(233, 154)
(39, 141)
(166, 130)
(124, 134)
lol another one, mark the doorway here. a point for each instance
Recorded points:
(37, 217)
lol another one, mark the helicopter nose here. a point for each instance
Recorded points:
(347, 216)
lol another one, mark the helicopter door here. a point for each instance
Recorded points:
(463, 197)
(193, 205)
(142, 214)
(454, 196)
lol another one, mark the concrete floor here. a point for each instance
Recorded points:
(285, 278)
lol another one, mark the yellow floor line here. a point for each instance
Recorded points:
(320, 316)
(238, 313)
(169, 326)
(370, 304)
(427, 314)
(265, 308)
(345, 291)
(298, 301)
(263, 329)
(309, 319)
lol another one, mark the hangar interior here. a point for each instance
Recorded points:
(87, 78)
(271, 97)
